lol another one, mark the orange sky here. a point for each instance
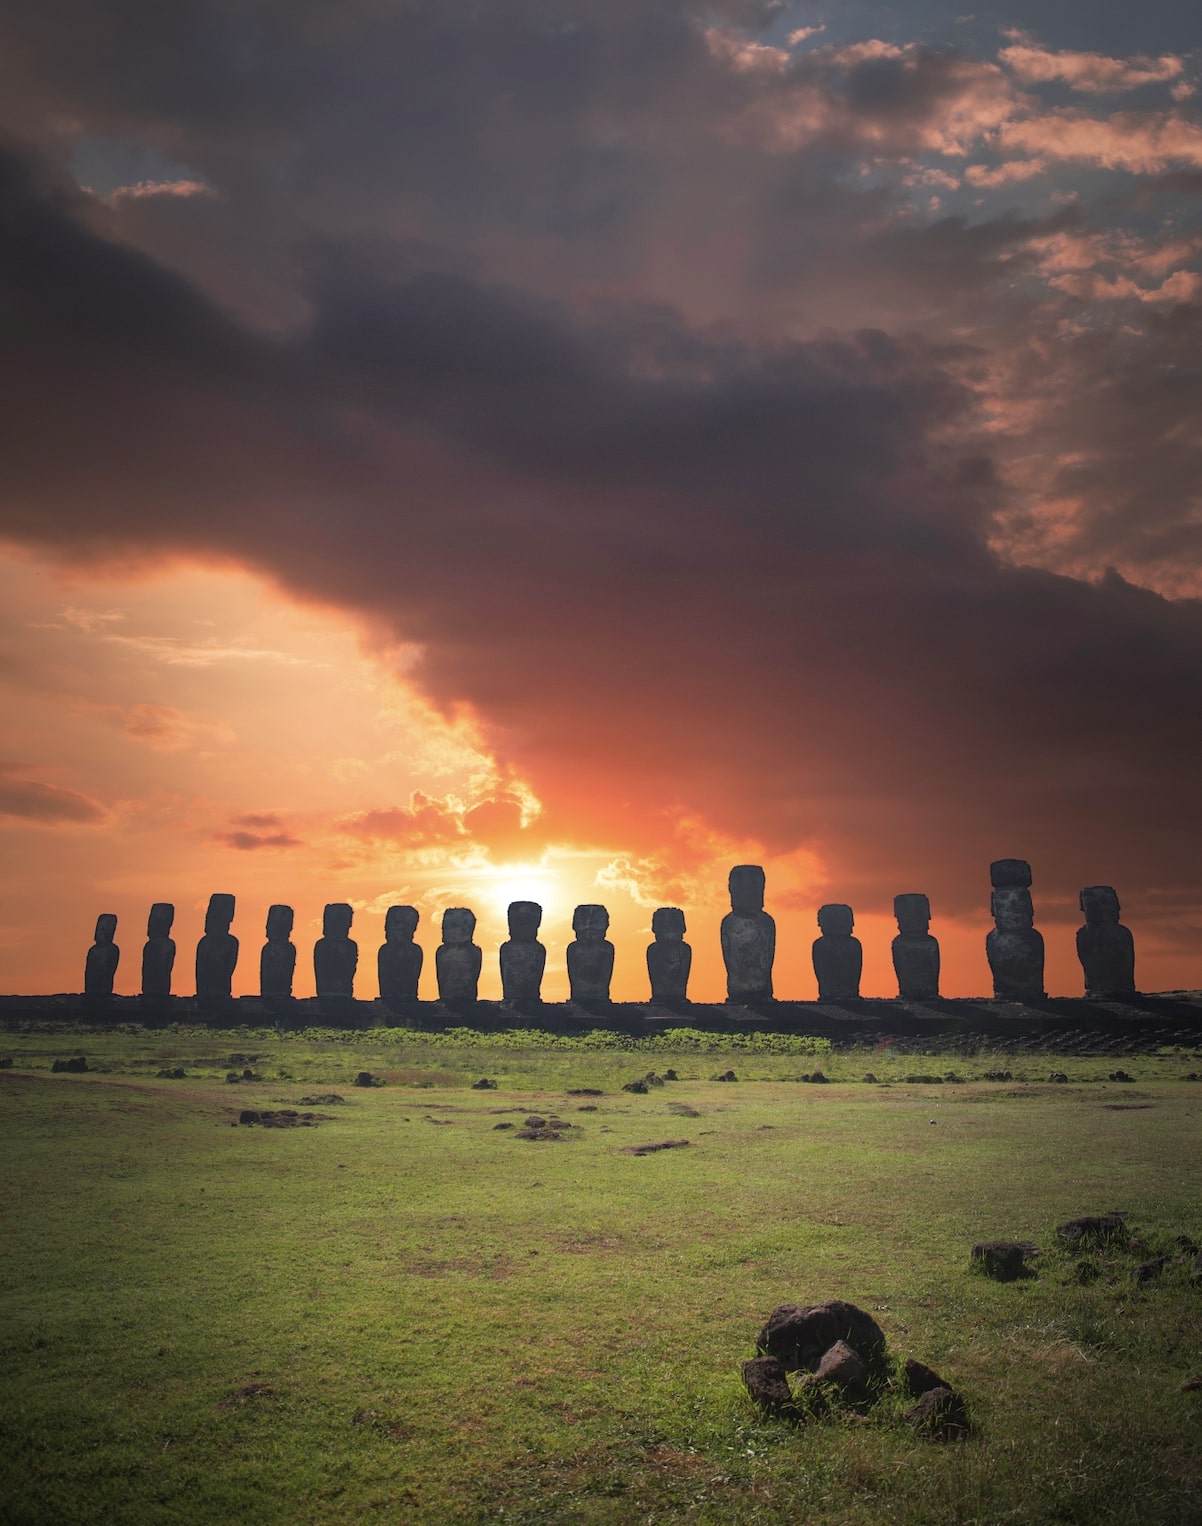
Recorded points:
(192, 730)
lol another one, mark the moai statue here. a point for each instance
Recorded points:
(277, 962)
(1014, 948)
(838, 957)
(399, 961)
(158, 955)
(669, 958)
(457, 959)
(1105, 947)
(748, 937)
(217, 951)
(591, 955)
(915, 952)
(336, 954)
(101, 964)
(523, 957)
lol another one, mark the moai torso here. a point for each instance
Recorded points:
(591, 955)
(217, 951)
(748, 937)
(838, 957)
(915, 952)
(101, 964)
(669, 958)
(399, 961)
(277, 962)
(158, 955)
(335, 954)
(1014, 948)
(1105, 947)
(523, 957)
(457, 960)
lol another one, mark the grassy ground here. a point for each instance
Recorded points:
(408, 1311)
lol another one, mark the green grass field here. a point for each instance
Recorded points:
(408, 1312)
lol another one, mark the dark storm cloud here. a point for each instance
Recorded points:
(675, 569)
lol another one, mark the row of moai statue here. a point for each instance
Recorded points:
(1014, 948)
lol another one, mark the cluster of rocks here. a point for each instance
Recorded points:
(1093, 1234)
(283, 1118)
(841, 1353)
(484, 1085)
(727, 1075)
(234, 1077)
(552, 1128)
(74, 1066)
(641, 1085)
(172, 1073)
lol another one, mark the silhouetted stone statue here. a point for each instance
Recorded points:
(277, 962)
(101, 964)
(217, 951)
(158, 954)
(915, 952)
(591, 955)
(838, 957)
(1014, 948)
(399, 961)
(748, 937)
(336, 954)
(1105, 947)
(523, 957)
(457, 958)
(669, 958)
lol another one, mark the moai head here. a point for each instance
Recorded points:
(220, 914)
(590, 923)
(106, 927)
(525, 919)
(836, 918)
(667, 923)
(1010, 871)
(458, 924)
(400, 924)
(1100, 904)
(913, 912)
(279, 924)
(747, 889)
(158, 924)
(336, 920)
(1012, 908)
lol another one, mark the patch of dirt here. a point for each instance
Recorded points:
(250, 1393)
(283, 1118)
(651, 1149)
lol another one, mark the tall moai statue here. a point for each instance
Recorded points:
(915, 952)
(158, 954)
(277, 962)
(669, 958)
(217, 951)
(748, 937)
(523, 957)
(336, 954)
(101, 964)
(1014, 947)
(1105, 947)
(399, 960)
(590, 955)
(457, 959)
(837, 954)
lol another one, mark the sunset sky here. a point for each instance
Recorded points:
(460, 452)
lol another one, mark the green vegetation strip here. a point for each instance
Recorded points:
(405, 1310)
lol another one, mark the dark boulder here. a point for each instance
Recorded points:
(799, 1335)
(941, 1413)
(364, 1078)
(1095, 1229)
(639, 1087)
(484, 1085)
(1004, 1260)
(768, 1386)
(843, 1369)
(919, 1379)
(1146, 1270)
